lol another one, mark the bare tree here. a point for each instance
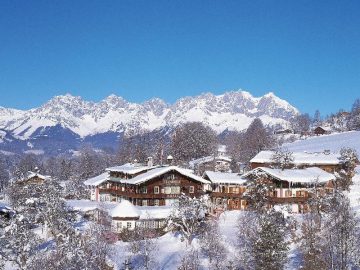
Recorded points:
(301, 123)
(193, 140)
(256, 139)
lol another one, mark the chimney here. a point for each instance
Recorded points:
(150, 162)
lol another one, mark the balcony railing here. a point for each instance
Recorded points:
(145, 195)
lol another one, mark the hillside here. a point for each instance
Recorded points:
(332, 142)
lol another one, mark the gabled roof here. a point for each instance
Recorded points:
(31, 174)
(225, 178)
(141, 178)
(308, 175)
(301, 158)
(130, 168)
(325, 128)
(97, 180)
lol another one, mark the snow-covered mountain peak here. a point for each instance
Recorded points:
(231, 110)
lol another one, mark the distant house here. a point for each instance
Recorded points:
(219, 162)
(326, 160)
(33, 178)
(293, 187)
(283, 131)
(320, 130)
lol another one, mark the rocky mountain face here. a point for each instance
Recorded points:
(72, 119)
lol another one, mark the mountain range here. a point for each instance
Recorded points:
(66, 121)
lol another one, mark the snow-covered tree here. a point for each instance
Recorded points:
(282, 159)
(258, 191)
(246, 237)
(188, 216)
(4, 173)
(263, 244)
(29, 162)
(311, 241)
(212, 246)
(270, 249)
(19, 243)
(143, 248)
(193, 140)
(341, 235)
(190, 261)
(317, 118)
(354, 119)
(349, 159)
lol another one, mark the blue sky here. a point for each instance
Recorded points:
(307, 52)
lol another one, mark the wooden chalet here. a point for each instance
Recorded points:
(324, 160)
(293, 187)
(227, 190)
(321, 130)
(33, 178)
(147, 185)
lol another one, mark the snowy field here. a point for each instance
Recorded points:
(332, 142)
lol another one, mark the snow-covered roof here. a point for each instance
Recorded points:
(130, 168)
(125, 209)
(87, 205)
(31, 174)
(300, 158)
(141, 178)
(308, 175)
(202, 160)
(225, 178)
(97, 180)
(154, 212)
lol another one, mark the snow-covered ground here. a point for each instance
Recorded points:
(170, 248)
(333, 142)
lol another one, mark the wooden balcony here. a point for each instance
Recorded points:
(134, 195)
(226, 195)
(281, 200)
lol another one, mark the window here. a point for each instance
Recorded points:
(144, 202)
(143, 190)
(128, 225)
(118, 226)
(191, 189)
(156, 202)
(156, 190)
(172, 190)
